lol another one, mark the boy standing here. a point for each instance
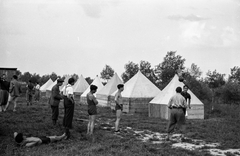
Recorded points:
(119, 106)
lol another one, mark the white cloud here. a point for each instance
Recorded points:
(190, 17)
(229, 37)
(94, 8)
(192, 32)
(201, 34)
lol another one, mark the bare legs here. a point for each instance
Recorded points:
(91, 124)
(15, 104)
(57, 138)
(2, 108)
(14, 100)
(118, 117)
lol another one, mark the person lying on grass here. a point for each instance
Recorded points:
(23, 140)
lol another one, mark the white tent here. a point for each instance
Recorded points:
(46, 85)
(107, 90)
(49, 88)
(137, 93)
(81, 85)
(97, 82)
(158, 105)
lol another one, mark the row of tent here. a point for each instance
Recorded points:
(140, 95)
(79, 87)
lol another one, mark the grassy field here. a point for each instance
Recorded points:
(221, 125)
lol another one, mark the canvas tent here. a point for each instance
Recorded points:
(103, 95)
(79, 87)
(97, 82)
(44, 87)
(158, 107)
(65, 82)
(137, 93)
(49, 89)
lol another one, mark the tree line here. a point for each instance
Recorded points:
(214, 88)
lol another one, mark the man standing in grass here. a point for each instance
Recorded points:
(92, 109)
(119, 106)
(69, 104)
(14, 90)
(37, 92)
(177, 117)
(187, 97)
(30, 92)
(55, 100)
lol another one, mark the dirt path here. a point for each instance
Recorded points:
(175, 141)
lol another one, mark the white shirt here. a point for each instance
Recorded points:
(68, 90)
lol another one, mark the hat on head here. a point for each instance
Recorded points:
(60, 80)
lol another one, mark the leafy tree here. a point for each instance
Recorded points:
(89, 80)
(44, 79)
(148, 71)
(53, 76)
(19, 73)
(198, 87)
(75, 76)
(107, 73)
(214, 81)
(230, 93)
(25, 77)
(35, 78)
(167, 69)
(195, 71)
(130, 70)
(235, 74)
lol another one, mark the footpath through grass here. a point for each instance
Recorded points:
(221, 125)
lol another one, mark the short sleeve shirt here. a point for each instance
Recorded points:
(68, 90)
(177, 101)
(186, 95)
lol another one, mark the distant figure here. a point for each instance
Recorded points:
(30, 92)
(55, 100)
(119, 106)
(92, 108)
(179, 72)
(187, 97)
(4, 92)
(68, 106)
(33, 141)
(177, 118)
(15, 91)
(37, 92)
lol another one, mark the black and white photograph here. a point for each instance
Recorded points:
(119, 77)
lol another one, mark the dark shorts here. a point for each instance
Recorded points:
(45, 140)
(92, 111)
(119, 107)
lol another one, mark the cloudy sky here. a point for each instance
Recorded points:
(82, 36)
